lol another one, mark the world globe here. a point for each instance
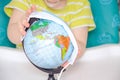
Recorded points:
(47, 44)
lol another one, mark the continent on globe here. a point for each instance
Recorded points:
(63, 43)
(39, 27)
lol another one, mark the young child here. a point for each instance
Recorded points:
(76, 13)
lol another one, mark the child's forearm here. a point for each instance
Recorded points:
(81, 38)
(81, 49)
(13, 33)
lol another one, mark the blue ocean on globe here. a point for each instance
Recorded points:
(47, 44)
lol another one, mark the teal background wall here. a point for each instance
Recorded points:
(4, 41)
(107, 20)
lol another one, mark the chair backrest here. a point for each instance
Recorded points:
(106, 16)
(4, 41)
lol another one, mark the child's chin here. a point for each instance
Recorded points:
(56, 8)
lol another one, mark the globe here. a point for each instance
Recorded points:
(47, 44)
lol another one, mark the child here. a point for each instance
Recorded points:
(76, 13)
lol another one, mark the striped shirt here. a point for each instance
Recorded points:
(77, 13)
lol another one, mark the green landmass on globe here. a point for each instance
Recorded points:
(39, 27)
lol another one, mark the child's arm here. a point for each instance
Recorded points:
(17, 24)
(81, 38)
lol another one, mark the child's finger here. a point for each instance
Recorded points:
(63, 65)
(25, 24)
(28, 12)
(33, 8)
(22, 30)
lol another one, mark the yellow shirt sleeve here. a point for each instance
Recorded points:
(21, 5)
(83, 17)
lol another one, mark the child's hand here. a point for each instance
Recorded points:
(17, 24)
(25, 23)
